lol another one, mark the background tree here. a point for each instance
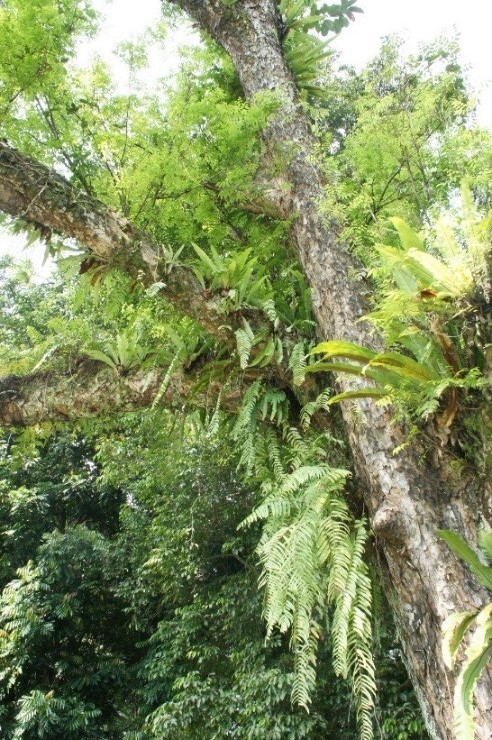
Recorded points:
(137, 613)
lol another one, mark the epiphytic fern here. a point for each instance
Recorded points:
(321, 401)
(238, 277)
(312, 558)
(305, 53)
(244, 341)
(424, 300)
(297, 363)
(311, 550)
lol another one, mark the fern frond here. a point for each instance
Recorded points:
(321, 401)
(175, 362)
(333, 478)
(269, 310)
(244, 344)
(297, 363)
(305, 669)
(359, 646)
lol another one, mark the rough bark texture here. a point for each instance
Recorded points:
(406, 499)
(95, 390)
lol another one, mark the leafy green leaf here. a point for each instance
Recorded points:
(339, 348)
(453, 629)
(459, 547)
(485, 543)
(409, 239)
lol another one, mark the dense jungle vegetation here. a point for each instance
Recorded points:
(246, 426)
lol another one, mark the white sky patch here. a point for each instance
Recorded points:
(123, 21)
(417, 21)
(423, 21)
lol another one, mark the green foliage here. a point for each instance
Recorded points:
(152, 629)
(36, 38)
(177, 583)
(325, 19)
(124, 354)
(207, 670)
(237, 277)
(457, 625)
(398, 141)
(25, 306)
(55, 618)
(49, 481)
(424, 302)
(305, 53)
(311, 550)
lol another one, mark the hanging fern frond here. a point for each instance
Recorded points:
(274, 406)
(214, 422)
(270, 311)
(311, 558)
(297, 363)
(333, 478)
(307, 411)
(244, 342)
(175, 362)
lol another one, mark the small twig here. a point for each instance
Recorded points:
(24, 213)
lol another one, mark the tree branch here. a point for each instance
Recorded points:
(95, 390)
(36, 194)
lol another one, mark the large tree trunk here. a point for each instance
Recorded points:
(407, 500)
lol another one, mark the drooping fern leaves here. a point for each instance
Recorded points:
(311, 551)
(297, 363)
(351, 631)
(244, 342)
(175, 362)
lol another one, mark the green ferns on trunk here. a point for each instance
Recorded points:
(426, 294)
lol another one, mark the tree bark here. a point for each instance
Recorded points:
(93, 390)
(407, 499)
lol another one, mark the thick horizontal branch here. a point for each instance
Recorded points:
(32, 192)
(94, 390)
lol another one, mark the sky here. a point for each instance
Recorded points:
(417, 21)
